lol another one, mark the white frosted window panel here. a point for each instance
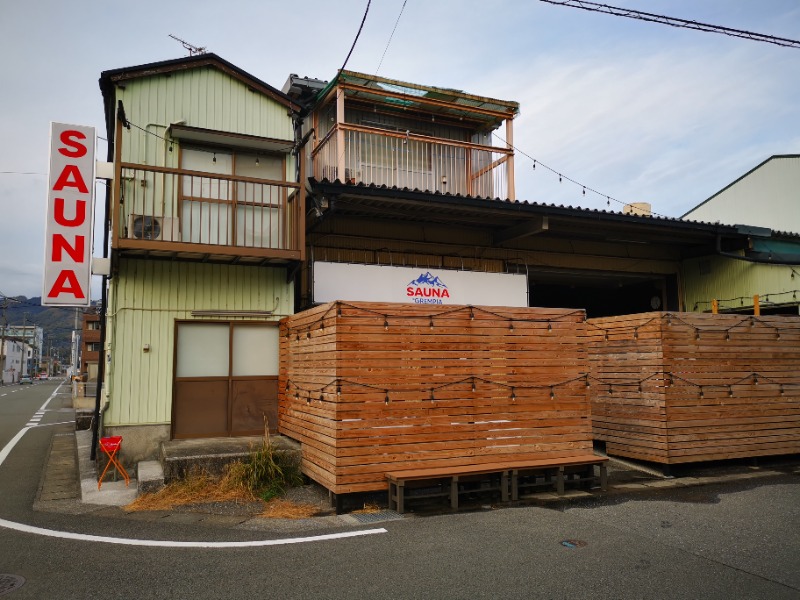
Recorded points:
(255, 350)
(206, 162)
(205, 223)
(203, 350)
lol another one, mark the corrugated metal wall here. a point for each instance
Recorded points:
(766, 197)
(717, 277)
(204, 98)
(147, 298)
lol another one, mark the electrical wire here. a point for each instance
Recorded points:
(391, 36)
(675, 22)
(561, 176)
(363, 19)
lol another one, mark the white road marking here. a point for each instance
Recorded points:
(175, 544)
(66, 535)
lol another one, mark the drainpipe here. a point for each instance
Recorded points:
(101, 361)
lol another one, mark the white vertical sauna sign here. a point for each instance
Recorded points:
(70, 215)
(418, 285)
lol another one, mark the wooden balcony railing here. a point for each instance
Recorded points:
(194, 212)
(359, 154)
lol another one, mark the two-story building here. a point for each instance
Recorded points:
(218, 231)
(207, 221)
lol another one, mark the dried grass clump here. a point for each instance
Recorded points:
(286, 509)
(197, 488)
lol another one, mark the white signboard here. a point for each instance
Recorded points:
(376, 283)
(70, 215)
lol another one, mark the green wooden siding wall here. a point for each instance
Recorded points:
(146, 299)
(202, 97)
(721, 278)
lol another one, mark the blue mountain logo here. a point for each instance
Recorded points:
(428, 279)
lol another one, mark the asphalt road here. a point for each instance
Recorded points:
(737, 540)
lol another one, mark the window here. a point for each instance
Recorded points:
(227, 212)
(93, 347)
(93, 325)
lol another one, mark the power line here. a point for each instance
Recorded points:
(675, 22)
(364, 18)
(391, 36)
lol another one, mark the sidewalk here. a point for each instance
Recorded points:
(69, 484)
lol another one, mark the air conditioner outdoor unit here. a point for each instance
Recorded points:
(161, 229)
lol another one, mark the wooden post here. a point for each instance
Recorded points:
(756, 306)
(510, 162)
(340, 162)
(715, 307)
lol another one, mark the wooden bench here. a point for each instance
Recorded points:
(506, 478)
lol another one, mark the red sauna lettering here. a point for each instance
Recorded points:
(66, 283)
(78, 149)
(427, 292)
(61, 218)
(61, 245)
(70, 212)
(71, 177)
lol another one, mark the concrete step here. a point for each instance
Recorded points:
(150, 476)
(212, 455)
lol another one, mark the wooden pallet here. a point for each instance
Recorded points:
(370, 388)
(688, 387)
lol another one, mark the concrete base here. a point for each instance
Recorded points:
(112, 493)
(212, 455)
(150, 475)
(139, 442)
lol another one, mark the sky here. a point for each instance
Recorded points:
(636, 111)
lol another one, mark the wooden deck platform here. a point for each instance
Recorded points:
(687, 387)
(373, 388)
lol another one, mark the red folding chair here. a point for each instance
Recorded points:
(111, 446)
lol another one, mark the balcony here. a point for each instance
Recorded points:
(374, 156)
(379, 131)
(195, 215)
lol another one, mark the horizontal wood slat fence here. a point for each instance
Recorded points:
(688, 387)
(370, 388)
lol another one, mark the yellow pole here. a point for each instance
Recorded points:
(756, 307)
(715, 307)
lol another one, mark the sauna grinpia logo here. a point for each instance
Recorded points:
(427, 289)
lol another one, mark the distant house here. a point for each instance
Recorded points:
(764, 204)
(208, 228)
(12, 362)
(90, 344)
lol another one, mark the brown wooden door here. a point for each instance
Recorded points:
(226, 380)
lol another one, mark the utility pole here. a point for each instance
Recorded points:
(23, 369)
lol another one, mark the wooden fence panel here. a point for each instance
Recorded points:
(691, 387)
(368, 388)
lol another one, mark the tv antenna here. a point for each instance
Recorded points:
(193, 50)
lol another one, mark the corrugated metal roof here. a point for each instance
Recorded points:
(577, 211)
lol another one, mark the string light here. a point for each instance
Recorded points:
(513, 394)
(214, 158)
(386, 398)
(552, 393)
(385, 323)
